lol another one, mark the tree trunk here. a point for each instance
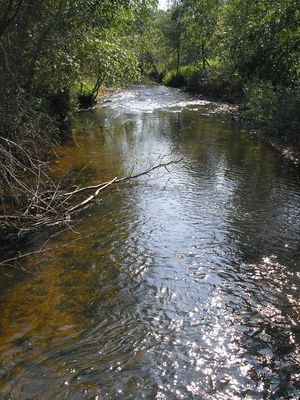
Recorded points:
(203, 55)
(178, 59)
(95, 90)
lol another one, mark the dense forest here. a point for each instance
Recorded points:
(56, 57)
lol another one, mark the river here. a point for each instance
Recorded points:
(182, 284)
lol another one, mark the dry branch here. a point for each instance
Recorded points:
(49, 204)
(115, 180)
(55, 206)
(90, 198)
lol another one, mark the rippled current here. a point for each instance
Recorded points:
(181, 284)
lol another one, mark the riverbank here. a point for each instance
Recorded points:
(270, 112)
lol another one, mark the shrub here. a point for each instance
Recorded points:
(274, 109)
(260, 103)
(174, 80)
(216, 82)
(83, 93)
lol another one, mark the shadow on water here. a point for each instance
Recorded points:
(183, 284)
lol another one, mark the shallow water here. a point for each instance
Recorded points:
(184, 284)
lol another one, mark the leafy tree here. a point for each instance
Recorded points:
(174, 32)
(150, 42)
(48, 48)
(104, 59)
(200, 18)
(262, 38)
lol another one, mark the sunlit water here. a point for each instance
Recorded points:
(184, 284)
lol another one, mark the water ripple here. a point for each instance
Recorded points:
(188, 287)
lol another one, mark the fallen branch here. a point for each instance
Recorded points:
(115, 180)
(147, 172)
(90, 198)
(55, 208)
(52, 206)
(126, 178)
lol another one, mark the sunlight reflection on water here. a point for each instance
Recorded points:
(185, 283)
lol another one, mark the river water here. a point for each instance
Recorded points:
(182, 284)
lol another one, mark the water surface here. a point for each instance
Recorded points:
(184, 284)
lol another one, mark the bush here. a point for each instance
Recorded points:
(174, 80)
(274, 109)
(83, 94)
(216, 82)
(260, 103)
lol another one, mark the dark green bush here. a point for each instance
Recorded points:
(174, 79)
(86, 101)
(216, 82)
(274, 109)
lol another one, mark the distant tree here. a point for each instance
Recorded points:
(200, 18)
(150, 43)
(174, 32)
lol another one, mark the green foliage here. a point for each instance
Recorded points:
(150, 45)
(274, 109)
(262, 38)
(178, 78)
(260, 103)
(189, 32)
(106, 60)
(49, 48)
(174, 31)
(238, 50)
(214, 82)
(174, 78)
(200, 19)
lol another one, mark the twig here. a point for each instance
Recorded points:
(41, 250)
(90, 198)
(161, 165)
